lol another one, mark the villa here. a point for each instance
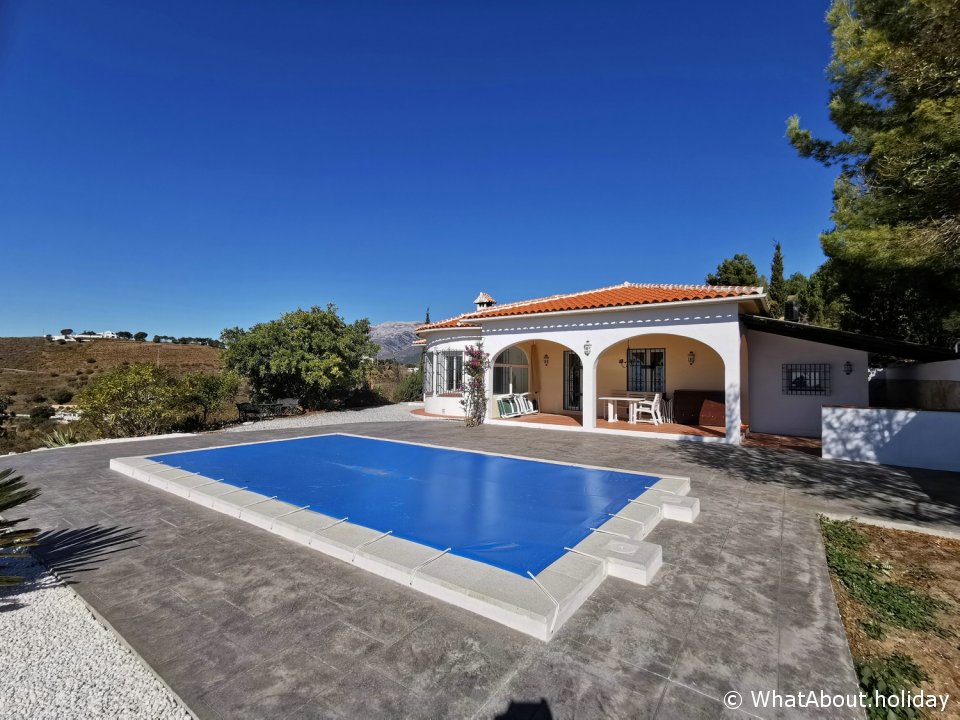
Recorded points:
(711, 356)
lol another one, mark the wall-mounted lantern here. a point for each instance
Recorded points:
(691, 357)
(546, 360)
(587, 347)
(847, 367)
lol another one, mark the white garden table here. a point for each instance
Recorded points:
(612, 401)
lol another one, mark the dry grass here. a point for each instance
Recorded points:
(35, 366)
(928, 564)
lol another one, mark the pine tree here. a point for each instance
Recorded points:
(778, 286)
(895, 244)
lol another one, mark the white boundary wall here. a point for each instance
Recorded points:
(911, 438)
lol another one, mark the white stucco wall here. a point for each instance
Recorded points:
(773, 412)
(715, 324)
(911, 438)
(449, 340)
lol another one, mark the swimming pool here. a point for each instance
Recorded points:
(514, 514)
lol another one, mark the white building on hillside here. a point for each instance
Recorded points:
(707, 355)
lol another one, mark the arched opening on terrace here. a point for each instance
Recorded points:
(686, 375)
(547, 372)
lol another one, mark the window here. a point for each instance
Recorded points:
(450, 372)
(806, 379)
(428, 374)
(511, 372)
(647, 370)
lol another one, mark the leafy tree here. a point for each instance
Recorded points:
(124, 335)
(206, 393)
(895, 243)
(411, 387)
(13, 493)
(140, 336)
(778, 287)
(312, 355)
(66, 331)
(738, 270)
(131, 401)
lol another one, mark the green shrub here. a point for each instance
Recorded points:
(62, 396)
(411, 388)
(41, 413)
(889, 675)
(131, 402)
(91, 360)
(64, 436)
(888, 603)
(39, 398)
(14, 492)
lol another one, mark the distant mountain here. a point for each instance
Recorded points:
(395, 340)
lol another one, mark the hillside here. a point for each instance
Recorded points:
(395, 339)
(32, 367)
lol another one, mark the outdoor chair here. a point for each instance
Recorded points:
(289, 406)
(526, 405)
(508, 407)
(249, 411)
(647, 404)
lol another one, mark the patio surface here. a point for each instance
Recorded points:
(241, 623)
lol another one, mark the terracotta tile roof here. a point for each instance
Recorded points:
(458, 321)
(421, 341)
(625, 295)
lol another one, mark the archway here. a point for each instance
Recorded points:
(543, 369)
(689, 373)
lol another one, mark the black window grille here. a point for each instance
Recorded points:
(646, 370)
(428, 374)
(449, 373)
(806, 379)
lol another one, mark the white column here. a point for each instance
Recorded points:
(488, 384)
(588, 386)
(731, 378)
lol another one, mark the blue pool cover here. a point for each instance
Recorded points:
(513, 514)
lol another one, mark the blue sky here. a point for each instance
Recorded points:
(181, 167)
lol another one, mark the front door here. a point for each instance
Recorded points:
(572, 372)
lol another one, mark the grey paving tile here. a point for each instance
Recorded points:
(342, 645)
(277, 688)
(613, 628)
(752, 547)
(208, 662)
(747, 615)
(365, 693)
(462, 657)
(570, 690)
(715, 664)
(594, 668)
(394, 614)
(683, 703)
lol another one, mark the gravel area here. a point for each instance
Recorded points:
(57, 661)
(384, 413)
